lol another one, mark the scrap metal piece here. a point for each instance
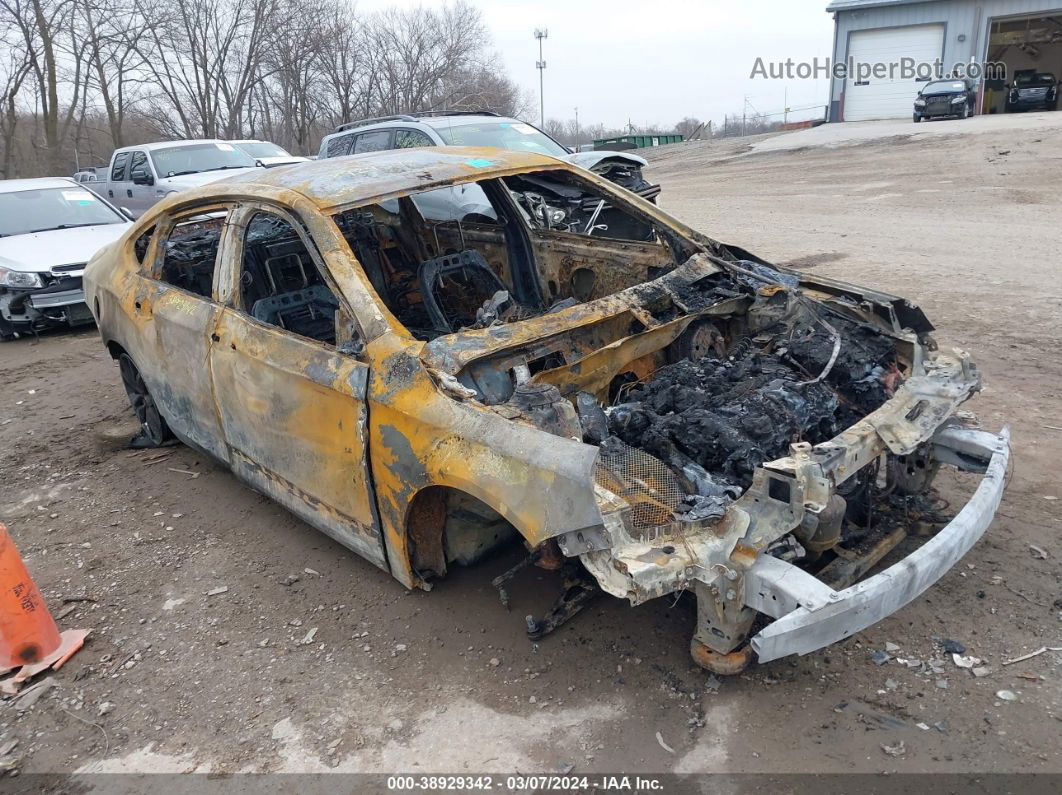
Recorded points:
(579, 591)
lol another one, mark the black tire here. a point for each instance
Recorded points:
(965, 112)
(917, 119)
(154, 430)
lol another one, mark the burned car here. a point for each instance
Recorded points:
(49, 228)
(648, 410)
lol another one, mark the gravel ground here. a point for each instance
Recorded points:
(312, 659)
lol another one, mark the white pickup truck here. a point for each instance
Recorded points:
(141, 175)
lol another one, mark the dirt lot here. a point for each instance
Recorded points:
(342, 669)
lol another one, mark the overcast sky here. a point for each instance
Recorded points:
(656, 61)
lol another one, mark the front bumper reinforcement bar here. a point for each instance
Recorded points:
(810, 615)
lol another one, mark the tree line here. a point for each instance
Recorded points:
(79, 78)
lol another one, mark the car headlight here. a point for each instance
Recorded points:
(19, 279)
(920, 103)
(957, 100)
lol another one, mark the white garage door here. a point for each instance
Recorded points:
(874, 98)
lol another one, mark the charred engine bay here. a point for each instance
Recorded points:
(727, 416)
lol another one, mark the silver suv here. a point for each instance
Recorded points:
(479, 128)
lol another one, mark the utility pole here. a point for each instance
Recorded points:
(744, 115)
(576, 128)
(540, 34)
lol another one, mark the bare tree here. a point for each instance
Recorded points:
(107, 73)
(48, 38)
(295, 76)
(112, 29)
(205, 56)
(350, 73)
(14, 69)
(417, 50)
(688, 126)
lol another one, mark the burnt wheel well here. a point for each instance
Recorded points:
(445, 525)
(115, 350)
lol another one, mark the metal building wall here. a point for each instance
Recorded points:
(967, 18)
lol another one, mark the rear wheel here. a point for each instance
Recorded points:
(154, 430)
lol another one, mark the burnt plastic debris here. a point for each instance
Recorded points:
(547, 410)
(592, 417)
(716, 420)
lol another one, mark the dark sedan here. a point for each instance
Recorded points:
(944, 99)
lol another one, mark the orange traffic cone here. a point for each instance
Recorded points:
(28, 635)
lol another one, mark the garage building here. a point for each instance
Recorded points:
(1023, 34)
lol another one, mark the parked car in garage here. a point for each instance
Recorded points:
(480, 128)
(649, 410)
(49, 228)
(943, 99)
(1033, 90)
(143, 174)
(267, 153)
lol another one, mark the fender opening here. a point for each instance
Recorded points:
(447, 527)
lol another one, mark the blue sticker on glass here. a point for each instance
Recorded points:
(505, 125)
(479, 162)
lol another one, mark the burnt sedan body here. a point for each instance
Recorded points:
(648, 410)
(944, 99)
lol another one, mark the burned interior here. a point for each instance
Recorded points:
(470, 256)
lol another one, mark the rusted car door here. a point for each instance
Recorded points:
(292, 406)
(173, 302)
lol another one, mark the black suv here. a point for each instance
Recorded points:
(1033, 90)
(943, 99)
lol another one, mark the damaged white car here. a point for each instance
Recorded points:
(49, 229)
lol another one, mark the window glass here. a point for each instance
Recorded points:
(411, 139)
(26, 211)
(339, 146)
(280, 284)
(196, 158)
(466, 203)
(263, 149)
(191, 252)
(138, 165)
(502, 134)
(372, 141)
(118, 169)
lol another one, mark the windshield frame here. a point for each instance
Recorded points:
(446, 133)
(164, 173)
(68, 223)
